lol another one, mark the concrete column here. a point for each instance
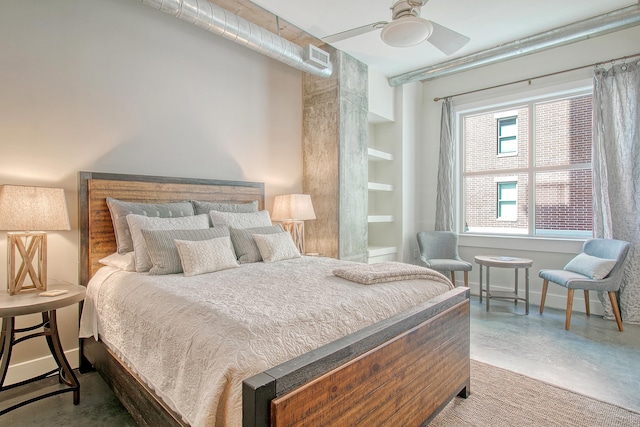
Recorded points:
(335, 137)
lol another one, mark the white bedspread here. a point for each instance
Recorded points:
(194, 339)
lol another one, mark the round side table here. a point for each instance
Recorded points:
(30, 303)
(489, 261)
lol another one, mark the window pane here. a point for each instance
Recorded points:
(563, 131)
(508, 145)
(508, 127)
(482, 206)
(480, 141)
(507, 201)
(508, 211)
(507, 135)
(508, 191)
(564, 203)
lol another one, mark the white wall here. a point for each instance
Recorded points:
(545, 253)
(116, 86)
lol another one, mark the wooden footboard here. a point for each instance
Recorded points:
(401, 371)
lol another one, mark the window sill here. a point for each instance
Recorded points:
(522, 243)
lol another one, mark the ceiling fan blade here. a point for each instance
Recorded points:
(447, 40)
(353, 32)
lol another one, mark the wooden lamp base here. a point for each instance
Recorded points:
(30, 246)
(296, 229)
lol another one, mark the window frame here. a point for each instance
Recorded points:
(511, 102)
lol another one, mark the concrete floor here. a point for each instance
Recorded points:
(593, 358)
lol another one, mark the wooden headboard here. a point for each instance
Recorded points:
(97, 239)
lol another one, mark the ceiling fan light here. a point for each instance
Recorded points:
(406, 31)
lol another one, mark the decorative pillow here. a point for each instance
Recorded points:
(163, 252)
(139, 222)
(241, 219)
(591, 266)
(276, 247)
(119, 211)
(201, 207)
(245, 246)
(206, 256)
(126, 262)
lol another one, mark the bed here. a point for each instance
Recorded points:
(400, 370)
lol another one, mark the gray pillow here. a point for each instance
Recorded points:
(164, 252)
(241, 219)
(201, 207)
(137, 223)
(245, 246)
(119, 211)
(591, 266)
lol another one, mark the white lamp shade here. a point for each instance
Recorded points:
(296, 207)
(406, 31)
(25, 208)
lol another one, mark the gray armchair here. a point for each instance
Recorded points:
(589, 271)
(439, 251)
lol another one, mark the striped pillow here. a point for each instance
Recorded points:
(163, 251)
(244, 244)
(120, 209)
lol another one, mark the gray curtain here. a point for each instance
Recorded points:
(616, 173)
(444, 201)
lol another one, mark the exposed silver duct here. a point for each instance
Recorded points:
(221, 22)
(598, 25)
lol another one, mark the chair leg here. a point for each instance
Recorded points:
(466, 279)
(545, 284)
(569, 308)
(453, 278)
(586, 302)
(616, 311)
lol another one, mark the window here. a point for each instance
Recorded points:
(508, 135)
(507, 201)
(539, 180)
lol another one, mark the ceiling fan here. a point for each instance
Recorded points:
(407, 28)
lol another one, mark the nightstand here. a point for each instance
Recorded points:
(31, 303)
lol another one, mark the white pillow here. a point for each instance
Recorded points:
(241, 219)
(591, 266)
(206, 256)
(139, 222)
(126, 261)
(276, 247)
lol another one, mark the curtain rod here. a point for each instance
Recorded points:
(623, 58)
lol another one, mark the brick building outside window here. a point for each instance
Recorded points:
(526, 168)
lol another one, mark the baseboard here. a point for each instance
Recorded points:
(31, 368)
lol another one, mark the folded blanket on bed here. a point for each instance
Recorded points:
(369, 274)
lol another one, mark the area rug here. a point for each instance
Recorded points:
(504, 398)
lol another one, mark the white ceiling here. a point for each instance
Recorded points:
(488, 23)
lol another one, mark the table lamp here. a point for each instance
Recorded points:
(292, 210)
(26, 212)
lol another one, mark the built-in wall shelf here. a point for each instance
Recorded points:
(377, 155)
(377, 251)
(385, 173)
(380, 218)
(376, 186)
